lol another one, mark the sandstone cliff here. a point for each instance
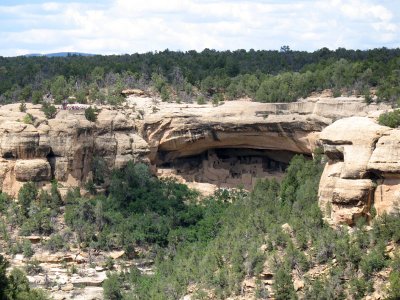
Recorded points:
(63, 148)
(146, 129)
(362, 172)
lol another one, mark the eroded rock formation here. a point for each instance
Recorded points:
(362, 172)
(63, 148)
(230, 144)
(178, 133)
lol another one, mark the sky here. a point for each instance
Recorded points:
(132, 26)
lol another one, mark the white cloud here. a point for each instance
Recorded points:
(128, 26)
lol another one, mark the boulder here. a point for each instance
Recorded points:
(117, 254)
(355, 192)
(68, 287)
(298, 284)
(32, 170)
(136, 92)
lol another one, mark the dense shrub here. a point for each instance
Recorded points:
(268, 76)
(28, 119)
(390, 119)
(216, 243)
(49, 110)
(112, 287)
(26, 195)
(90, 114)
(16, 285)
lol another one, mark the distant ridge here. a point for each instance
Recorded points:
(60, 54)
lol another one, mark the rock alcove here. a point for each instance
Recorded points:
(227, 167)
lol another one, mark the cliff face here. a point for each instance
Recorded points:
(182, 138)
(231, 143)
(362, 172)
(63, 148)
(183, 130)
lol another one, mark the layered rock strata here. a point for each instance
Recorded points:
(362, 175)
(63, 148)
(149, 130)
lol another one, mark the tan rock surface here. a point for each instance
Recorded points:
(363, 170)
(387, 196)
(147, 129)
(32, 170)
(19, 140)
(386, 155)
(183, 132)
(347, 191)
(353, 139)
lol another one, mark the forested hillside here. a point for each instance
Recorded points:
(266, 76)
(272, 241)
(268, 243)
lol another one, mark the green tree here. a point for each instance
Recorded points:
(49, 110)
(37, 97)
(26, 195)
(390, 119)
(100, 170)
(394, 287)
(26, 92)
(27, 248)
(112, 287)
(3, 277)
(97, 75)
(90, 114)
(56, 200)
(18, 284)
(59, 88)
(22, 106)
(283, 285)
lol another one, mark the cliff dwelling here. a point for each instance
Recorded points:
(228, 167)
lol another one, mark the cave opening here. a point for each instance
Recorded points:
(51, 158)
(227, 167)
(8, 155)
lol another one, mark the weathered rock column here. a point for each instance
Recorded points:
(347, 186)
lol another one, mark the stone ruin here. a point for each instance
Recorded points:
(229, 167)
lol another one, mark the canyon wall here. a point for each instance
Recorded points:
(237, 141)
(63, 148)
(362, 175)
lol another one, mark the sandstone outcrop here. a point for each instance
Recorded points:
(363, 171)
(63, 148)
(32, 170)
(148, 130)
(177, 130)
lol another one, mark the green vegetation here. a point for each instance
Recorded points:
(216, 252)
(28, 119)
(49, 110)
(90, 114)
(139, 210)
(391, 119)
(213, 244)
(15, 286)
(22, 106)
(267, 76)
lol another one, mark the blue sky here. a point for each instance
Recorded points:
(129, 26)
